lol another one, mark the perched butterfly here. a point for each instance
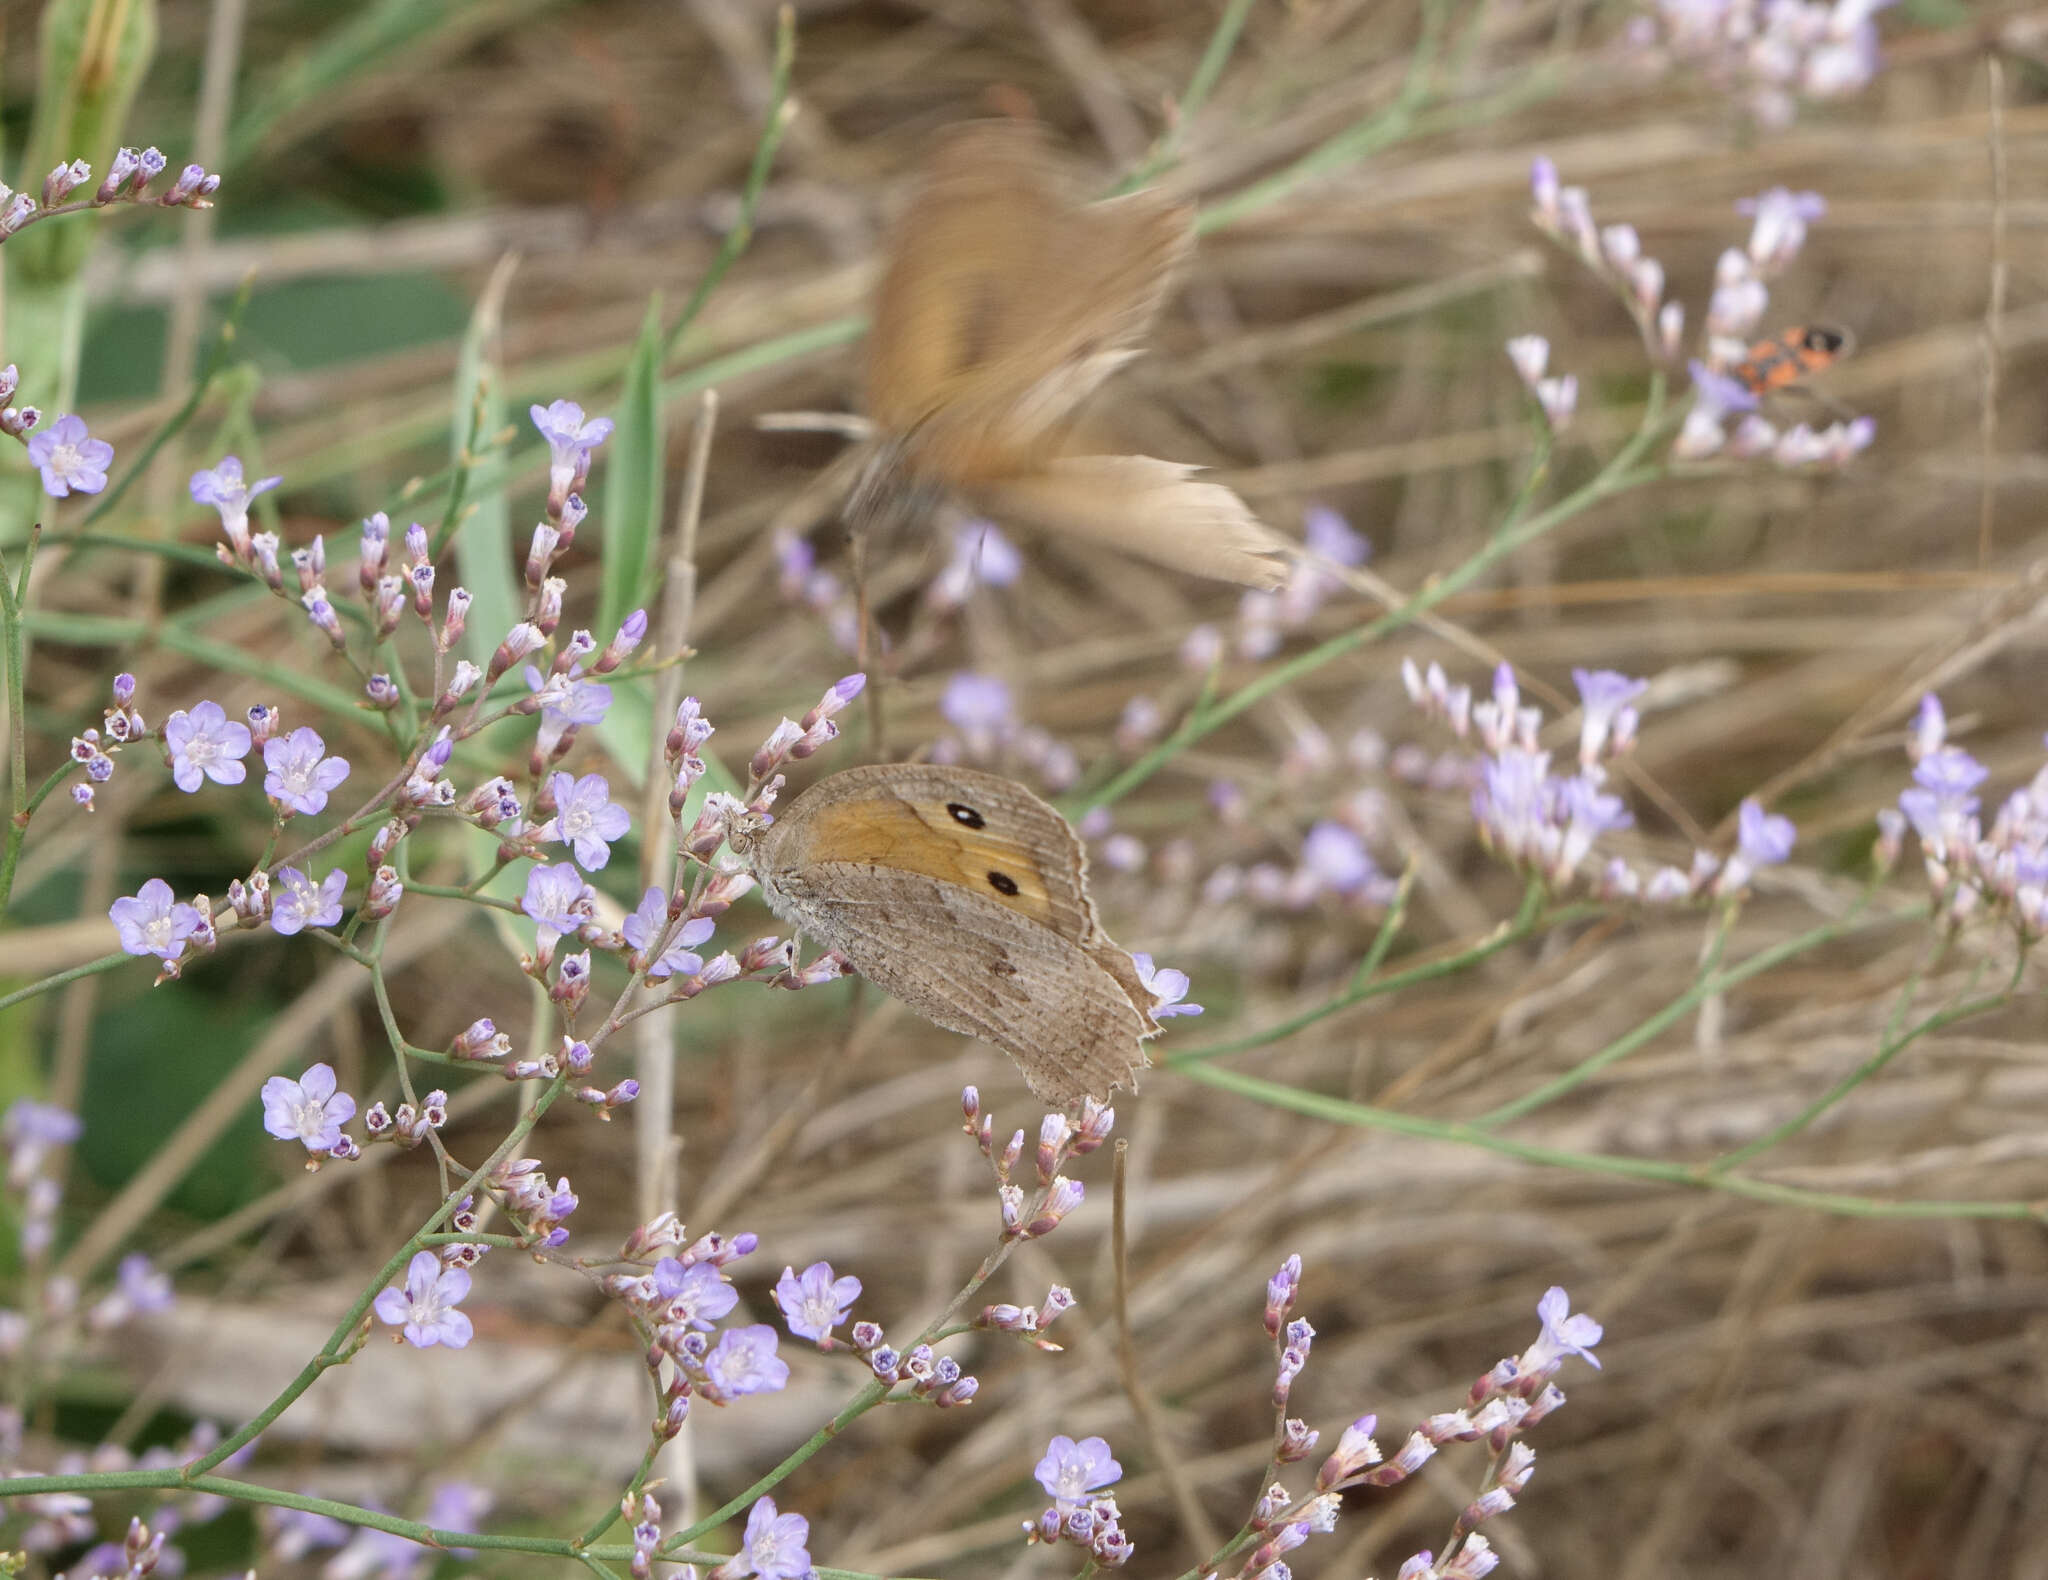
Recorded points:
(1782, 361)
(965, 896)
(1001, 307)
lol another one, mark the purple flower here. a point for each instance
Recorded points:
(1589, 811)
(1763, 839)
(425, 1308)
(298, 776)
(1718, 393)
(558, 899)
(1605, 696)
(153, 921)
(773, 1548)
(647, 923)
(1071, 1471)
(458, 1506)
(296, 1532)
(1780, 229)
(744, 1361)
(206, 744)
(978, 706)
(981, 554)
(570, 438)
(70, 458)
(140, 1287)
(1329, 535)
(1511, 801)
(586, 818)
(1336, 857)
(1167, 987)
(697, 1297)
(296, 902)
(308, 1110)
(815, 1303)
(33, 1125)
(567, 701)
(224, 489)
(1563, 1334)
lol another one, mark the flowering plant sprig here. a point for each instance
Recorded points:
(1548, 824)
(1614, 253)
(130, 175)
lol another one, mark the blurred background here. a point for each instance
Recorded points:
(409, 188)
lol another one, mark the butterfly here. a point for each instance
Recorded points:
(966, 896)
(1785, 359)
(1001, 308)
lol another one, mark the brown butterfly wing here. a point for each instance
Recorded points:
(965, 895)
(1136, 504)
(973, 966)
(1002, 306)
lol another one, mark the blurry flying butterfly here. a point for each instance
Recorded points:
(1001, 307)
(965, 896)
(1784, 360)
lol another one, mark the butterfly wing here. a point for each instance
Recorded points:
(974, 966)
(964, 895)
(1139, 505)
(1002, 306)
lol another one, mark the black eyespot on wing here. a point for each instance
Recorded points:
(1002, 883)
(1827, 340)
(965, 815)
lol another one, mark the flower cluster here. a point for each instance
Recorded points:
(1028, 1215)
(128, 179)
(1771, 52)
(676, 1304)
(980, 557)
(1999, 874)
(56, 1318)
(1727, 378)
(1503, 1404)
(1546, 823)
(65, 1520)
(1074, 1475)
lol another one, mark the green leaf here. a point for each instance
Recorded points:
(628, 514)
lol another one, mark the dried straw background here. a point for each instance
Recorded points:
(1785, 1391)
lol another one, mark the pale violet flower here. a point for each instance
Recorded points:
(153, 921)
(70, 459)
(815, 1302)
(297, 902)
(586, 818)
(299, 777)
(308, 1110)
(425, 1307)
(1167, 986)
(223, 488)
(1071, 1472)
(206, 744)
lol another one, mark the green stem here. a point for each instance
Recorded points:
(1708, 983)
(1619, 476)
(12, 631)
(780, 114)
(1340, 1111)
(1527, 922)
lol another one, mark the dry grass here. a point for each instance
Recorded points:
(1787, 1390)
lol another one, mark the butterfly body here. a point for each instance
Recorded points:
(1783, 360)
(965, 896)
(1001, 308)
